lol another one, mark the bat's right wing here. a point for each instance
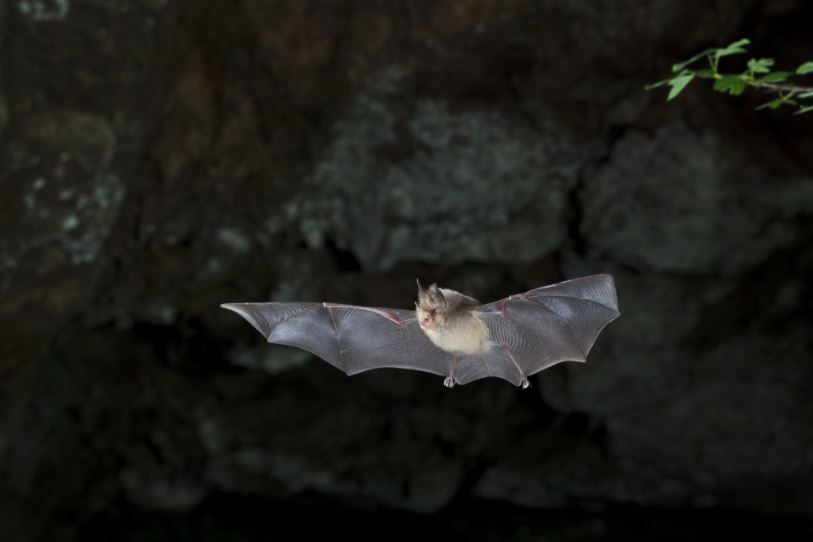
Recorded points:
(531, 331)
(350, 337)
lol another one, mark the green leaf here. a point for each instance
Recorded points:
(805, 68)
(804, 109)
(760, 65)
(805, 95)
(677, 84)
(733, 84)
(736, 48)
(775, 77)
(680, 65)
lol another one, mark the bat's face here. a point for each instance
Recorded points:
(430, 307)
(429, 319)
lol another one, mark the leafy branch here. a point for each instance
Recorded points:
(758, 75)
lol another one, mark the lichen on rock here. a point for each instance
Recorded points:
(44, 10)
(73, 197)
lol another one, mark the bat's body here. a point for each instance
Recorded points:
(449, 333)
(466, 334)
(462, 331)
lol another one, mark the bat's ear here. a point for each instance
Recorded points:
(436, 297)
(430, 298)
(423, 297)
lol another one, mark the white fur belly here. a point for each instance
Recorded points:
(467, 336)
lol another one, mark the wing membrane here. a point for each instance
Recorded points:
(352, 338)
(532, 331)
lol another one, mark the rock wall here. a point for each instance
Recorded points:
(161, 157)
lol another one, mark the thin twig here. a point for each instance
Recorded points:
(779, 87)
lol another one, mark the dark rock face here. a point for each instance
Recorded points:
(698, 207)
(405, 180)
(159, 158)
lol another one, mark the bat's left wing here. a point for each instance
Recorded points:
(350, 337)
(531, 331)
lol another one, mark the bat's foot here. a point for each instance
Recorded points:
(525, 384)
(449, 382)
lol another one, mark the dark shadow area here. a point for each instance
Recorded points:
(223, 517)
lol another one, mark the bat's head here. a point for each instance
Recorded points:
(430, 307)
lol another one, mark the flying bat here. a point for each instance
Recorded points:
(448, 334)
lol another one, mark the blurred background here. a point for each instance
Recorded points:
(160, 157)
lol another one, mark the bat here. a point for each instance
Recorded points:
(448, 334)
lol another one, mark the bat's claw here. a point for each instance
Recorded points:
(525, 384)
(449, 382)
